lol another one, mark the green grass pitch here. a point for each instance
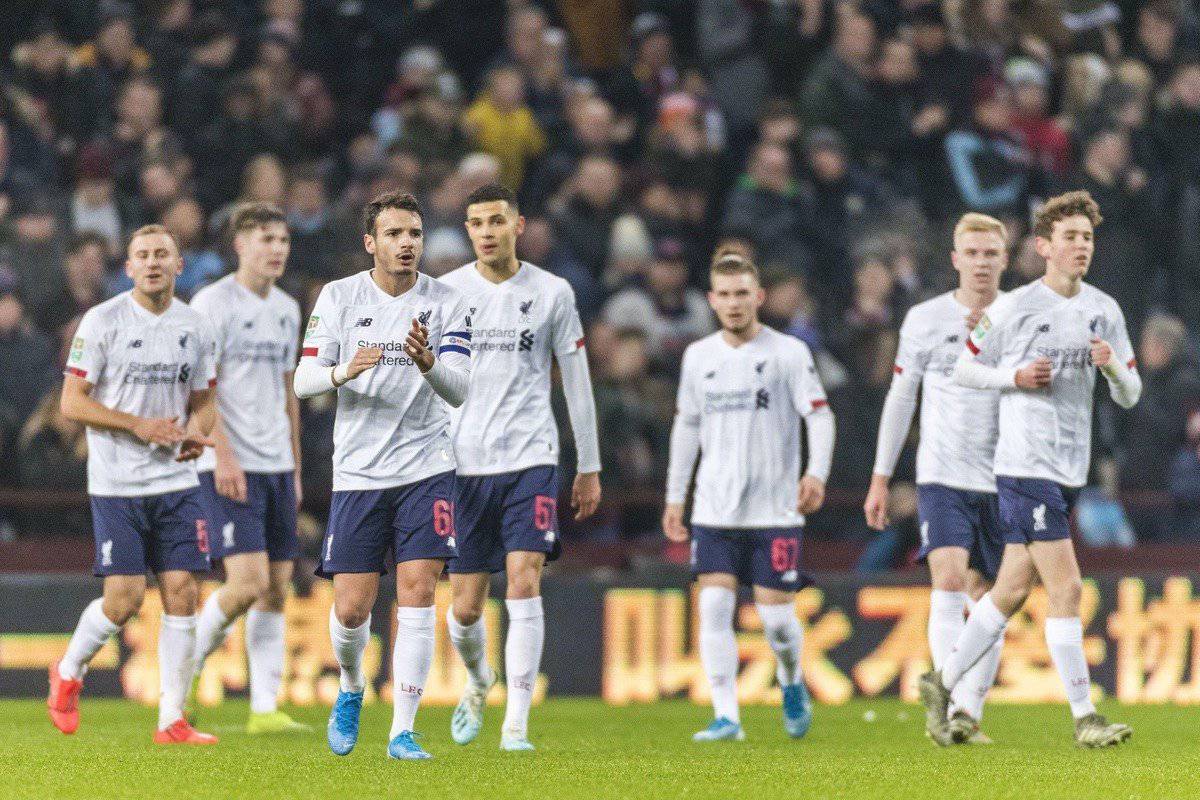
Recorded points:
(590, 750)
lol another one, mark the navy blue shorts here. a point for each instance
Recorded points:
(411, 522)
(959, 518)
(266, 522)
(505, 513)
(160, 532)
(767, 557)
(1035, 510)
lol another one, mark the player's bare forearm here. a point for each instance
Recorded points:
(202, 411)
(77, 404)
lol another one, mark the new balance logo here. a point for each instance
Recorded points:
(136, 343)
(526, 306)
(183, 340)
(1039, 518)
(1044, 328)
(952, 338)
(106, 554)
(328, 548)
(248, 324)
(925, 534)
(1094, 325)
(423, 317)
(762, 399)
(526, 341)
(549, 537)
(708, 376)
(760, 366)
(227, 535)
(365, 322)
(790, 576)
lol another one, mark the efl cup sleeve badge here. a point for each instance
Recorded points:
(977, 335)
(76, 350)
(312, 325)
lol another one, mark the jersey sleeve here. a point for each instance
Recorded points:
(567, 335)
(1118, 338)
(289, 348)
(687, 398)
(913, 353)
(808, 395)
(89, 350)
(321, 340)
(204, 368)
(456, 335)
(986, 342)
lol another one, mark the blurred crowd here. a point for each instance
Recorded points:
(835, 142)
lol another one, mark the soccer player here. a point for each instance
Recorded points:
(956, 490)
(372, 337)
(506, 446)
(1040, 346)
(742, 394)
(140, 376)
(251, 477)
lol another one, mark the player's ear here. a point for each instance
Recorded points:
(369, 243)
(1041, 246)
(520, 224)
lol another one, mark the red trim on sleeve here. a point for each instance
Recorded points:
(1132, 363)
(819, 404)
(212, 383)
(579, 342)
(972, 347)
(899, 370)
(309, 351)
(77, 372)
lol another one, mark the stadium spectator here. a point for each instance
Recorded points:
(500, 122)
(199, 87)
(27, 357)
(106, 63)
(84, 283)
(51, 455)
(990, 167)
(768, 205)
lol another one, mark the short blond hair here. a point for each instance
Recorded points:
(147, 230)
(974, 222)
(734, 264)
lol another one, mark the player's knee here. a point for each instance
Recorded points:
(180, 598)
(273, 596)
(950, 580)
(467, 614)
(352, 615)
(121, 607)
(415, 590)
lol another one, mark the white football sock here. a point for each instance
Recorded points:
(1064, 635)
(412, 653)
(785, 634)
(91, 632)
(985, 625)
(348, 647)
(176, 655)
(264, 648)
(212, 626)
(970, 693)
(471, 643)
(946, 620)
(718, 649)
(522, 661)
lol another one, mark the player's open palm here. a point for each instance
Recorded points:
(812, 494)
(159, 430)
(672, 523)
(416, 346)
(193, 446)
(230, 479)
(364, 359)
(1034, 376)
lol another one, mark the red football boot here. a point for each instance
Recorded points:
(182, 732)
(63, 701)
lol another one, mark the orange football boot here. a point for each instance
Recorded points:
(63, 701)
(182, 732)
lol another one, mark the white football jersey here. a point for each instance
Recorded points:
(256, 341)
(391, 428)
(1047, 433)
(147, 365)
(958, 425)
(749, 401)
(507, 423)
